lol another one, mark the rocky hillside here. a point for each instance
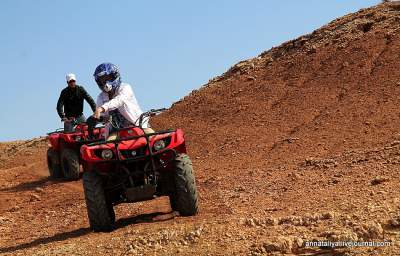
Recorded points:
(333, 90)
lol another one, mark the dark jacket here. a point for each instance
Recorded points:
(72, 101)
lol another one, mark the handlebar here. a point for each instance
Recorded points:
(150, 113)
(92, 122)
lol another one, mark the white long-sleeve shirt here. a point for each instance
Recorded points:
(125, 101)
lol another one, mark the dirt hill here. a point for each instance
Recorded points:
(298, 144)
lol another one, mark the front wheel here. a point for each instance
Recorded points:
(53, 164)
(70, 164)
(100, 212)
(184, 198)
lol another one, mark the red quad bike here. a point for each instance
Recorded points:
(137, 167)
(63, 158)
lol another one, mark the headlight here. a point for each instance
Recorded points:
(159, 144)
(107, 154)
(78, 138)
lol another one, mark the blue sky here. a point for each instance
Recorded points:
(164, 49)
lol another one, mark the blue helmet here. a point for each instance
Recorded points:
(107, 77)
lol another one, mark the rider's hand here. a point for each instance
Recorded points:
(98, 112)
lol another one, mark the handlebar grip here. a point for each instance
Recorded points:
(158, 110)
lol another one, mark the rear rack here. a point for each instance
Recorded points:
(56, 131)
(61, 130)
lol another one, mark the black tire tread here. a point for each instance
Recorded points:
(101, 214)
(53, 164)
(71, 158)
(185, 197)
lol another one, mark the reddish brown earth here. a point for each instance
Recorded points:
(301, 143)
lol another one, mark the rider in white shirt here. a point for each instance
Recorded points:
(116, 100)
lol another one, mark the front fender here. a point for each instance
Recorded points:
(54, 141)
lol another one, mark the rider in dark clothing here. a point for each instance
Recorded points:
(70, 103)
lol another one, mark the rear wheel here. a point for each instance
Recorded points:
(53, 164)
(70, 164)
(100, 212)
(184, 198)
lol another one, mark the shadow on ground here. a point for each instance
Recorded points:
(143, 218)
(25, 186)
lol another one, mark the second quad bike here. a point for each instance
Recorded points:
(137, 166)
(63, 158)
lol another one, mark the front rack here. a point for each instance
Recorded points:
(147, 135)
(150, 156)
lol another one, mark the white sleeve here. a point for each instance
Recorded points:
(123, 95)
